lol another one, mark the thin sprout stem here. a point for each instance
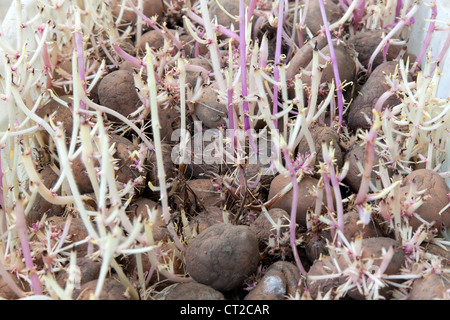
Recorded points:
(427, 40)
(276, 71)
(293, 216)
(158, 150)
(21, 227)
(334, 64)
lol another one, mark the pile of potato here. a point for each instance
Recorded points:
(233, 249)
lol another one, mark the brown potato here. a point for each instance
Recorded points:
(40, 205)
(321, 267)
(112, 290)
(81, 177)
(373, 248)
(370, 92)
(357, 154)
(206, 192)
(352, 227)
(430, 287)
(263, 228)
(192, 291)
(223, 256)
(304, 55)
(314, 20)
(150, 8)
(322, 135)
(125, 165)
(346, 65)
(189, 46)
(89, 271)
(192, 76)
(435, 197)
(59, 113)
(169, 119)
(280, 281)
(232, 7)
(77, 232)
(117, 92)
(210, 109)
(155, 40)
(139, 208)
(365, 44)
(206, 219)
(306, 200)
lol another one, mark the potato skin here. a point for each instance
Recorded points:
(430, 287)
(210, 110)
(192, 76)
(193, 291)
(150, 9)
(322, 135)
(139, 208)
(40, 205)
(357, 153)
(117, 92)
(123, 149)
(365, 44)
(320, 267)
(60, 114)
(370, 92)
(314, 20)
(373, 248)
(112, 290)
(232, 7)
(352, 228)
(346, 65)
(205, 191)
(263, 228)
(223, 256)
(435, 198)
(305, 199)
(279, 281)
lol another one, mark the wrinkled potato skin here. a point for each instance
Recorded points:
(352, 228)
(193, 291)
(223, 256)
(112, 290)
(40, 205)
(205, 191)
(117, 92)
(150, 9)
(356, 154)
(305, 199)
(435, 198)
(314, 20)
(60, 114)
(370, 92)
(373, 247)
(365, 44)
(263, 228)
(279, 281)
(323, 135)
(209, 110)
(430, 287)
(346, 65)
